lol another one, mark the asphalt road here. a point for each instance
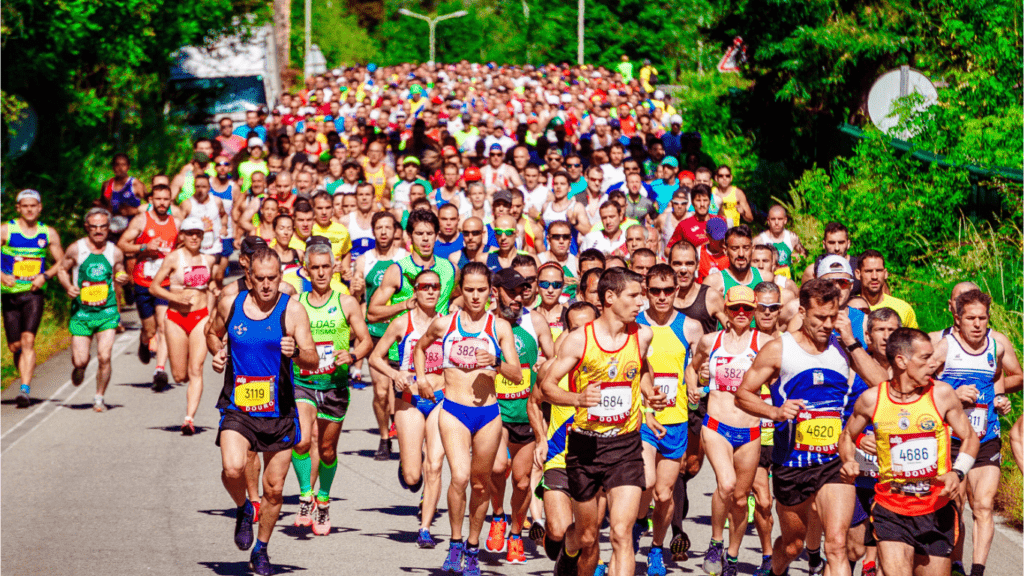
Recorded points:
(123, 492)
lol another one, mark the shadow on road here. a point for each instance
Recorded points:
(239, 568)
(88, 406)
(395, 510)
(32, 401)
(177, 429)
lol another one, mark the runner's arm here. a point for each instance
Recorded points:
(1013, 375)
(158, 290)
(298, 330)
(569, 354)
(861, 362)
(57, 251)
(65, 265)
(543, 331)
(378, 356)
(127, 243)
(859, 420)
(419, 353)
(653, 397)
(743, 206)
(582, 221)
(216, 327)
(510, 366)
(378, 310)
(691, 376)
(358, 328)
(765, 369)
(948, 405)
(714, 302)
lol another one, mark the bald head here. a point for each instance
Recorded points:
(472, 223)
(505, 222)
(959, 289)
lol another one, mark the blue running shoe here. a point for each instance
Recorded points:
(656, 562)
(453, 563)
(424, 540)
(714, 558)
(243, 526)
(601, 570)
(765, 569)
(731, 569)
(259, 563)
(472, 562)
(639, 528)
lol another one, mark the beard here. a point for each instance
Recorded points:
(512, 315)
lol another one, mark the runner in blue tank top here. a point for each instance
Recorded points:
(266, 331)
(809, 373)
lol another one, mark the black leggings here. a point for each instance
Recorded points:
(22, 313)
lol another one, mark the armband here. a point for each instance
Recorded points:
(859, 439)
(963, 464)
(296, 352)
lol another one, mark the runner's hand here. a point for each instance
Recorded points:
(967, 394)
(693, 394)
(358, 283)
(590, 397)
(788, 411)
(73, 292)
(121, 278)
(952, 490)
(655, 426)
(849, 472)
(484, 359)
(423, 390)
(657, 400)
(540, 454)
(287, 346)
(705, 374)
(8, 280)
(868, 444)
(1002, 404)
(220, 360)
(343, 357)
(154, 245)
(402, 381)
(845, 328)
(38, 281)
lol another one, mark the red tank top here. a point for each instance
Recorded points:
(147, 265)
(710, 262)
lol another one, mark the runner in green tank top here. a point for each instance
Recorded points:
(532, 336)
(335, 320)
(95, 264)
(738, 248)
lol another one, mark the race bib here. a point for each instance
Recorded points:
(463, 352)
(729, 373)
(914, 456)
(767, 422)
(94, 293)
(979, 419)
(325, 350)
(506, 390)
(668, 384)
(616, 400)
(151, 267)
(435, 356)
(255, 394)
(868, 464)
(27, 268)
(818, 431)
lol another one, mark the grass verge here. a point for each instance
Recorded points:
(53, 336)
(1010, 498)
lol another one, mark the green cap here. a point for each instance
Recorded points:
(670, 161)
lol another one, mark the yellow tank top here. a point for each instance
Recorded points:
(668, 356)
(378, 178)
(913, 449)
(730, 205)
(617, 373)
(561, 418)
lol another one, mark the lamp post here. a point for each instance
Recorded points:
(432, 22)
(579, 32)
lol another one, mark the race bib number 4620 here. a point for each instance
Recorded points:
(255, 394)
(818, 431)
(616, 401)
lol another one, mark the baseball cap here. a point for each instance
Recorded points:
(191, 223)
(740, 295)
(502, 196)
(676, 119)
(600, 122)
(658, 94)
(29, 193)
(670, 161)
(255, 141)
(615, 123)
(687, 174)
(716, 228)
(314, 240)
(250, 244)
(833, 264)
(496, 147)
(472, 174)
(509, 279)
(411, 160)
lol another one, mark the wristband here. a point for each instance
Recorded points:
(650, 411)
(859, 439)
(963, 464)
(854, 346)
(296, 352)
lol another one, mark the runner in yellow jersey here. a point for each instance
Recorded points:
(549, 451)
(673, 336)
(378, 172)
(610, 378)
(734, 201)
(915, 517)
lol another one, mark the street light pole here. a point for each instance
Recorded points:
(579, 33)
(309, 39)
(432, 23)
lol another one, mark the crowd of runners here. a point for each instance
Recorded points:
(552, 288)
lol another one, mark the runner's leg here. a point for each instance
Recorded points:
(667, 471)
(196, 357)
(234, 453)
(982, 484)
(763, 510)
(104, 349)
(457, 445)
(720, 454)
(275, 468)
(835, 508)
(485, 447)
(409, 423)
(432, 466)
(793, 526)
(27, 360)
(745, 466)
(623, 502)
(898, 558)
(522, 466)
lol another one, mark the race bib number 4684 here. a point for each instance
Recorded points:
(616, 401)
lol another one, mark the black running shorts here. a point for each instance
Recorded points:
(263, 434)
(595, 462)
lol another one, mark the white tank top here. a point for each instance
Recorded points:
(209, 213)
(356, 231)
(459, 347)
(551, 215)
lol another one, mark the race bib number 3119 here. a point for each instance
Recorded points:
(255, 394)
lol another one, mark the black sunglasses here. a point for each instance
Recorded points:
(661, 291)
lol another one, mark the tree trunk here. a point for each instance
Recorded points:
(282, 38)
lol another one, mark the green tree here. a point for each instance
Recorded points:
(336, 31)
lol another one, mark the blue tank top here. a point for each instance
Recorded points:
(258, 378)
(963, 368)
(224, 195)
(822, 382)
(446, 249)
(857, 317)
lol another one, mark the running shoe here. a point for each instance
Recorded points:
(730, 568)
(256, 512)
(472, 567)
(656, 562)
(816, 570)
(305, 515)
(958, 569)
(516, 554)
(538, 532)
(456, 553)
(713, 559)
(98, 405)
(144, 354)
(565, 565)
(870, 571)
(188, 428)
(77, 375)
(639, 528)
(322, 520)
(243, 529)
(679, 546)
(159, 381)
(765, 569)
(496, 535)
(601, 569)
(23, 400)
(383, 450)
(424, 539)
(259, 563)
(392, 433)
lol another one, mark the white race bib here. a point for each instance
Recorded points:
(914, 456)
(616, 400)
(463, 352)
(668, 384)
(325, 350)
(979, 419)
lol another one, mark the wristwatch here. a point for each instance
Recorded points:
(959, 474)
(497, 362)
(850, 348)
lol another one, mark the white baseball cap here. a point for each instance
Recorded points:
(601, 122)
(658, 94)
(676, 119)
(833, 264)
(192, 223)
(255, 141)
(30, 193)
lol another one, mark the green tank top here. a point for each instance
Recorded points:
(512, 398)
(331, 333)
(729, 281)
(444, 269)
(94, 277)
(23, 257)
(785, 253)
(374, 276)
